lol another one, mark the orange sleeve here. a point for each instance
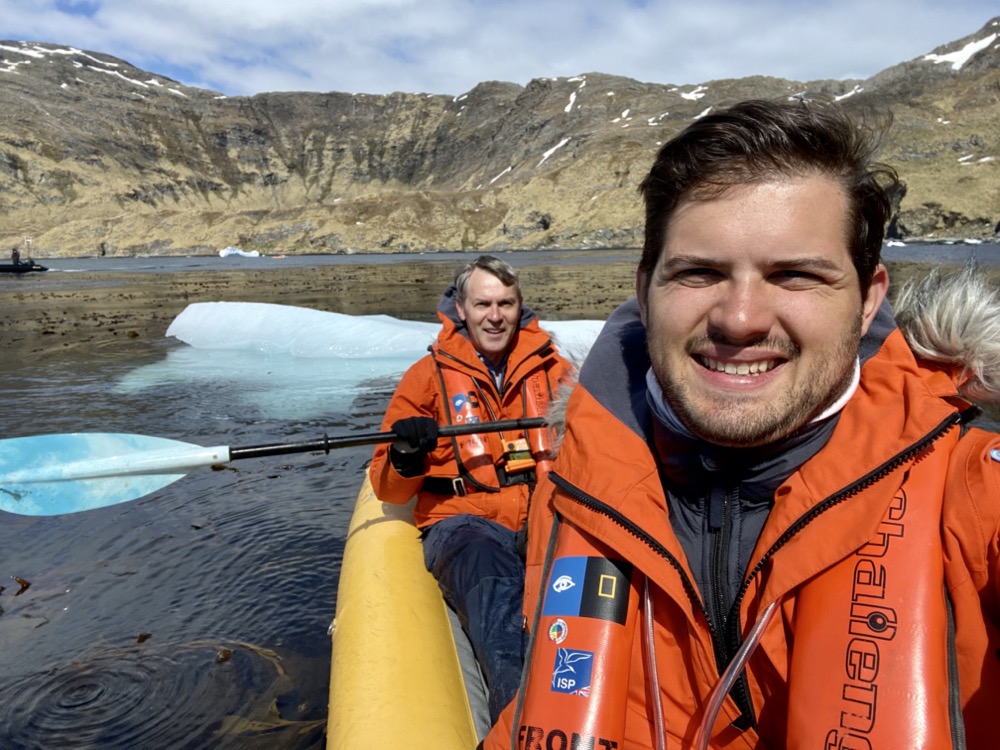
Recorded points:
(416, 395)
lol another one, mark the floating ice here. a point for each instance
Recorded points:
(298, 331)
(286, 362)
(227, 251)
(307, 333)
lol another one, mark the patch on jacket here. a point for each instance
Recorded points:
(594, 587)
(995, 454)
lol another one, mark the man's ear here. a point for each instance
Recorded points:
(641, 285)
(460, 310)
(873, 300)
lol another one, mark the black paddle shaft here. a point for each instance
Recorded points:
(326, 443)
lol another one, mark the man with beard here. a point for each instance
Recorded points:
(769, 524)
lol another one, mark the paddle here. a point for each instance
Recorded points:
(49, 475)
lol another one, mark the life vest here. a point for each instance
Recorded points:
(574, 697)
(486, 462)
(537, 396)
(872, 644)
(870, 641)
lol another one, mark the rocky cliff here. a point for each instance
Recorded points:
(98, 157)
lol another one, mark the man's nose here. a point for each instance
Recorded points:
(742, 312)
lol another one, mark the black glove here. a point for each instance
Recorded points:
(417, 437)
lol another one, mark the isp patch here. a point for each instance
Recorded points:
(594, 587)
(572, 671)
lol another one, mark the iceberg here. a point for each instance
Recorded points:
(308, 333)
(286, 362)
(298, 331)
(227, 251)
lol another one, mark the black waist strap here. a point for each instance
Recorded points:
(450, 487)
(444, 486)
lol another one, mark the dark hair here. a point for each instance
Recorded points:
(499, 268)
(759, 140)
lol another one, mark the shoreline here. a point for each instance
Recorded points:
(105, 309)
(444, 253)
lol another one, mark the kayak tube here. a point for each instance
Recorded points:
(402, 673)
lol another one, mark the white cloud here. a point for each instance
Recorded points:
(448, 46)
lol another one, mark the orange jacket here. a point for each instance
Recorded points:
(533, 360)
(896, 438)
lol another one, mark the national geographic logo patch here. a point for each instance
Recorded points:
(594, 587)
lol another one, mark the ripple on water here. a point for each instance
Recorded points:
(198, 694)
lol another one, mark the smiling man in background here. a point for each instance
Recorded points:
(491, 361)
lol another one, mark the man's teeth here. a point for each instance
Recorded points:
(741, 368)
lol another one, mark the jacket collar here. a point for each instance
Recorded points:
(608, 449)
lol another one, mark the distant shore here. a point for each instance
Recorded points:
(105, 310)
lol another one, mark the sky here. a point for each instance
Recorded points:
(244, 47)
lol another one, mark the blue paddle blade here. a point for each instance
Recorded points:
(49, 475)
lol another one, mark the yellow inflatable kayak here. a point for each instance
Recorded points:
(398, 679)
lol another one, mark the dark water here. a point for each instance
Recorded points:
(986, 255)
(194, 617)
(197, 616)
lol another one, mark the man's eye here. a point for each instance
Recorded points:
(695, 275)
(792, 276)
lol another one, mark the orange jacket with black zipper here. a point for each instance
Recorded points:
(533, 374)
(880, 553)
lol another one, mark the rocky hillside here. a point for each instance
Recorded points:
(98, 157)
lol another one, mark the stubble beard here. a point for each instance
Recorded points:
(751, 420)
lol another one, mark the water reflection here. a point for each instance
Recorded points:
(227, 577)
(222, 694)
